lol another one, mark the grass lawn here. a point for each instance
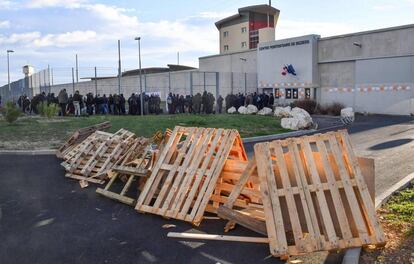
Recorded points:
(397, 219)
(42, 133)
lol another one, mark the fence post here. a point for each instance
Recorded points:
(169, 82)
(231, 81)
(96, 82)
(191, 83)
(217, 84)
(245, 82)
(204, 82)
(145, 82)
(73, 81)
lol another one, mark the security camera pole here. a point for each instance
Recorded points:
(140, 75)
(8, 67)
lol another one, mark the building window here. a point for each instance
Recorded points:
(277, 93)
(244, 44)
(226, 47)
(225, 34)
(307, 93)
(295, 93)
(288, 93)
(243, 29)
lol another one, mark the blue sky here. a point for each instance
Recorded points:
(51, 32)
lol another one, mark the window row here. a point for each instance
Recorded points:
(292, 93)
(226, 33)
(243, 45)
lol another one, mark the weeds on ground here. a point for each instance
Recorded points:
(11, 112)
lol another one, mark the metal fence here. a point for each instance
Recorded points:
(105, 81)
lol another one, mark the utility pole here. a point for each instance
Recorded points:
(119, 66)
(73, 81)
(77, 69)
(140, 75)
(178, 58)
(96, 82)
(8, 68)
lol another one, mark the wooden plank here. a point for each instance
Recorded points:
(180, 210)
(349, 190)
(242, 219)
(264, 240)
(326, 216)
(149, 184)
(334, 190)
(368, 205)
(200, 140)
(278, 245)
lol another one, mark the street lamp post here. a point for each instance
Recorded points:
(140, 75)
(8, 67)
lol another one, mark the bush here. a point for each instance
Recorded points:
(10, 112)
(48, 110)
(331, 109)
(306, 104)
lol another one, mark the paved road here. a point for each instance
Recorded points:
(45, 218)
(390, 141)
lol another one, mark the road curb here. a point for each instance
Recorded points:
(291, 134)
(278, 136)
(29, 152)
(385, 196)
(352, 255)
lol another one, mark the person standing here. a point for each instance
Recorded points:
(63, 101)
(219, 104)
(77, 100)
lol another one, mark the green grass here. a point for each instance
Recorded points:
(400, 208)
(35, 132)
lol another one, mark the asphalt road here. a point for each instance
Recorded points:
(45, 218)
(390, 141)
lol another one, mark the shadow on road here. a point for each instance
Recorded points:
(391, 144)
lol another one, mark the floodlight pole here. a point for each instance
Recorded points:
(140, 75)
(8, 68)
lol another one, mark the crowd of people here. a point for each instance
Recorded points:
(116, 104)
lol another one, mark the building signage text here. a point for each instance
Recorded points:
(289, 44)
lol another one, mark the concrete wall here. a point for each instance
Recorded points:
(230, 62)
(377, 43)
(266, 34)
(374, 78)
(382, 86)
(183, 83)
(235, 38)
(300, 52)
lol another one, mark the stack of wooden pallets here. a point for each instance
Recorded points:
(78, 136)
(92, 158)
(187, 174)
(312, 195)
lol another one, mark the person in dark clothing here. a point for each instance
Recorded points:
(219, 104)
(271, 100)
(122, 104)
(63, 101)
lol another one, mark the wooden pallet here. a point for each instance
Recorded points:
(135, 164)
(187, 173)
(78, 136)
(97, 154)
(312, 187)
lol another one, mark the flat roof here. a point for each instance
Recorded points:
(226, 54)
(263, 9)
(369, 32)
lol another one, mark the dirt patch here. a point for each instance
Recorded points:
(30, 145)
(396, 218)
(52, 120)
